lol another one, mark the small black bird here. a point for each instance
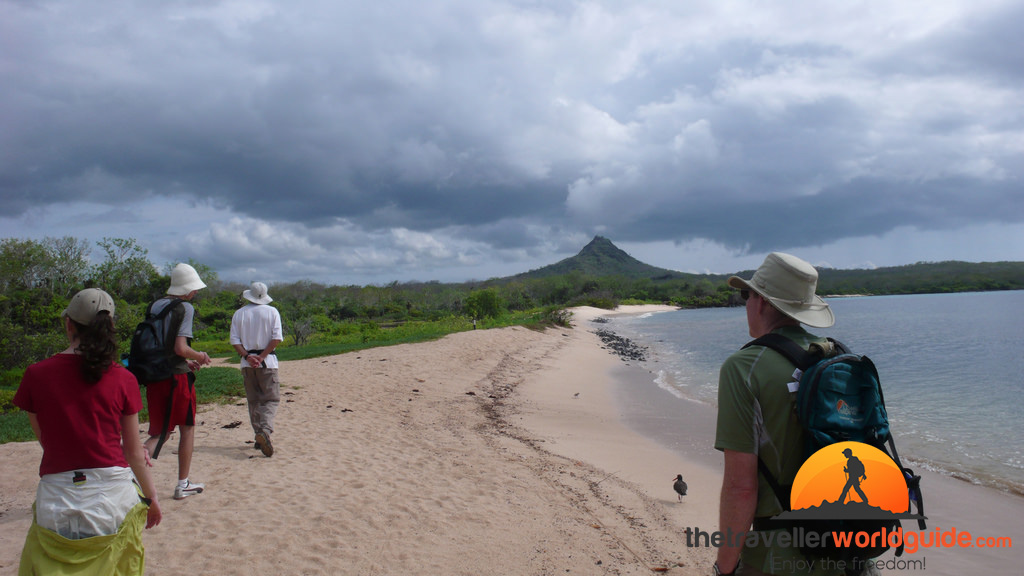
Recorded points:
(680, 487)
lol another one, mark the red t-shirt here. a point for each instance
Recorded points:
(80, 423)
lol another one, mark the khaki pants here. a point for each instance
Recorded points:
(263, 395)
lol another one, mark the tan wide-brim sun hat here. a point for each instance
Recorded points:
(85, 305)
(257, 294)
(789, 283)
(184, 279)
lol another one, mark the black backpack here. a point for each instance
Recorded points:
(839, 399)
(151, 359)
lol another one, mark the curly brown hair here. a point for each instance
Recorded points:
(97, 344)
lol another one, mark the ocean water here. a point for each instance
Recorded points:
(951, 366)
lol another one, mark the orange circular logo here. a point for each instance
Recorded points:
(848, 472)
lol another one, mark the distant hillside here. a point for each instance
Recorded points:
(602, 258)
(924, 278)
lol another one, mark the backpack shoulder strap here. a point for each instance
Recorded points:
(781, 494)
(175, 302)
(800, 358)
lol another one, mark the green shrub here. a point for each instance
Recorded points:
(7, 402)
(552, 316)
(484, 304)
(11, 378)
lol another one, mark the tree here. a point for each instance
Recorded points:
(69, 264)
(29, 308)
(22, 265)
(23, 289)
(301, 330)
(126, 269)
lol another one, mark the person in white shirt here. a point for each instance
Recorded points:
(255, 334)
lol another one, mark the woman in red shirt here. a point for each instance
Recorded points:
(84, 409)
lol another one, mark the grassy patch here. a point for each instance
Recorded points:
(14, 427)
(219, 385)
(213, 385)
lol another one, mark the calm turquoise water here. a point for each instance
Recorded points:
(952, 368)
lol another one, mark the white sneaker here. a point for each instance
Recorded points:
(190, 489)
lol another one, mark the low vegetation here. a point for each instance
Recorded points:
(37, 279)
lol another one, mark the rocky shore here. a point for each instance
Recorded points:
(622, 347)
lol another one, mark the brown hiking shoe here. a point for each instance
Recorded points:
(263, 442)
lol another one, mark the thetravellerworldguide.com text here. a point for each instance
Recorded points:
(798, 537)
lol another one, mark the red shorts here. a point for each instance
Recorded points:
(172, 403)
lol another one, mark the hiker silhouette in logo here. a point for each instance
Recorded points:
(854, 474)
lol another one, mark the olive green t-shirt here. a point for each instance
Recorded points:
(757, 415)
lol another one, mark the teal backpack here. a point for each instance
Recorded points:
(839, 399)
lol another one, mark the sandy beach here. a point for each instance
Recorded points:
(493, 451)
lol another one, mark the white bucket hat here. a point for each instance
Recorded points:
(789, 284)
(257, 294)
(85, 305)
(184, 279)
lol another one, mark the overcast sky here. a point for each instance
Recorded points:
(368, 142)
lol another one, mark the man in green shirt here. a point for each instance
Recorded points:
(756, 416)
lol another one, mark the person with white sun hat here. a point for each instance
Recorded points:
(255, 334)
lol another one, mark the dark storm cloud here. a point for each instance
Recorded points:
(303, 123)
(440, 134)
